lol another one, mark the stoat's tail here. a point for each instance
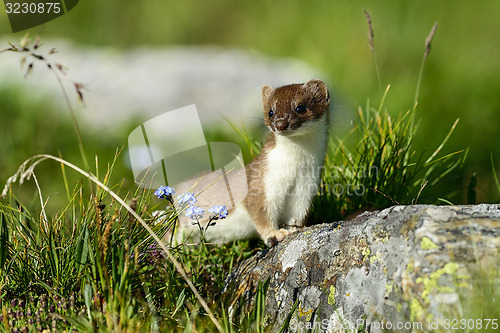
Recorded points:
(237, 225)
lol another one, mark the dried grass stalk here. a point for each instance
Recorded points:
(428, 40)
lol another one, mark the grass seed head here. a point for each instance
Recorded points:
(371, 34)
(428, 40)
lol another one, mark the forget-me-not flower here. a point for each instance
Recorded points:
(164, 192)
(186, 197)
(219, 211)
(195, 212)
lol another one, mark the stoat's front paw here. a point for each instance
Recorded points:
(275, 237)
(294, 228)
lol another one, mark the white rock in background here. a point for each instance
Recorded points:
(139, 84)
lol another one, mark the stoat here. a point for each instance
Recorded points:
(284, 178)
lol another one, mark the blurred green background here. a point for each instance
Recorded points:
(461, 77)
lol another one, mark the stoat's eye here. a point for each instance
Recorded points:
(301, 109)
(271, 113)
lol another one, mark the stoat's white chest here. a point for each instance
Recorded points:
(293, 172)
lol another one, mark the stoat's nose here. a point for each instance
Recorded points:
(281, 125)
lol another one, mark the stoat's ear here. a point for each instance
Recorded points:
(267, 90)
(318, 89)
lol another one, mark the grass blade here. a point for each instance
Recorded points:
(286, 323)
(4, 238)
(34, 160)
(444, 142)
(471, 190)
(495, 174)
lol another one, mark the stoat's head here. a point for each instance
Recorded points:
(295, 109)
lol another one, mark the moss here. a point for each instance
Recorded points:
(431, 285)
(375, 257)
(388, 289)
(427, 244)
(366, 252)
(304, 312)
(331, 296)
(431, 282)
(416, 309)
(450, 268)
(266, 321)
(418, 313)
(382, 237)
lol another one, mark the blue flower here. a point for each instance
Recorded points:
(164, 192)
(219, 211)
(195, 212)
(186, 197)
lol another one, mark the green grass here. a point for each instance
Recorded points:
(94, 265)
(481, 312)
(376, 166)
(477, 308)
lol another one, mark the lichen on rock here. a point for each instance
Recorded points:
(401, 264)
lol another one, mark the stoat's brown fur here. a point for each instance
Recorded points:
(283, 179)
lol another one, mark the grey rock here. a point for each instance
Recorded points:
(404, 264)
